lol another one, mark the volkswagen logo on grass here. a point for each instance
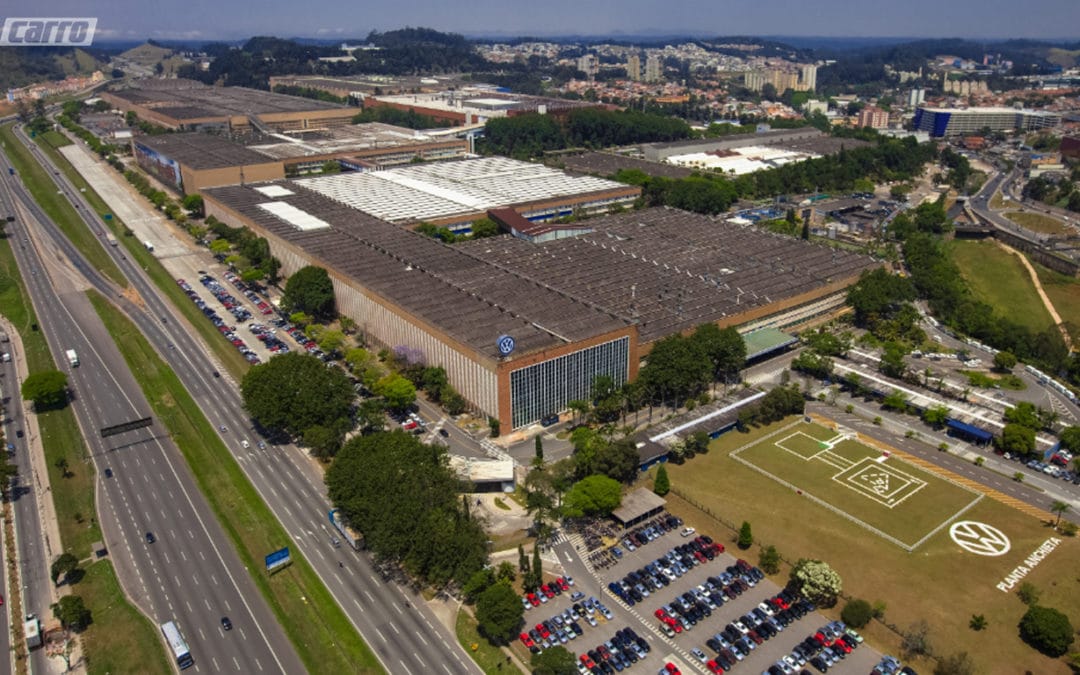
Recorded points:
(505, 345)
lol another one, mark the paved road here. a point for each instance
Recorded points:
(189, 574)
(403, 632)
(13, 417)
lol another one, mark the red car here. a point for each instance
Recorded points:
(526, 640)
(533, 600)
(547, 591)
(714, 667)
(562, 583)
(719, 548)
(660, 614)
(670, 667)
(840, 644)
(544, 632)
(587, 662)
(820, 638)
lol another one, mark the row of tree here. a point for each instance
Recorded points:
(529, 136)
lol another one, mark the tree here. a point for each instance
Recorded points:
(220, 246)
(523, 560)
(310, 290)
(746, 536)
(47, 389)
(978, 622)
(324, 441)
(1070, 439)
(1017, 439)
(817, 581)
(73, 614)
(1028, 593)
(63, 566)
(1004, 361)
(1047, 630)
(194, 204)
(936, 416)
(484, 227)
(595, 495)
(505, 571)
(915, 641)
(499, 612)
(857, 613)
(554, 661)
(61, 463)
(661, 484)
(8, 470)
(959, 663)
(479, 582)
(619, 460)
(405, 499)
(331, 341)
(1023, 413)
(678, 368)
(1058, 508)
(398, 391)
(537, 569)
(539, 449)
(769, 560)
(724, 348)
(294, 392)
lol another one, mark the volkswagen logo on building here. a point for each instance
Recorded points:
(505, 345)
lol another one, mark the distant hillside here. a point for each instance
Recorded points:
(147, 54)
(20, 67)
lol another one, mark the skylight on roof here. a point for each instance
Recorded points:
(298, 218)
(274, 191)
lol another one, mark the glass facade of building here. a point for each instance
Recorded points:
(545, 388)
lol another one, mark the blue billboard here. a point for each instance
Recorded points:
(278, 559)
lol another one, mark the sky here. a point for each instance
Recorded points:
(231, 19)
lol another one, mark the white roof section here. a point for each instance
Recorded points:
(273, 191)
(298, 218)
(442, 190)
(739, 161)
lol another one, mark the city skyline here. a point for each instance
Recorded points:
(228, 19)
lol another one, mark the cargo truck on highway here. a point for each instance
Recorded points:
(354, 538)
(111, 238)
(72, 358)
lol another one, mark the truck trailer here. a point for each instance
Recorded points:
(73, 358)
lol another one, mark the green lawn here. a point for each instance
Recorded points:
(1037, 222)
(895, 497)
(490, 658)
(1001, 280)
(939, 582)
(134, 649)
(114, 618)
(1064, 293)
(319, 630)
(59, 211)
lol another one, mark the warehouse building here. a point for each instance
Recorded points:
(523, 326)
(454, 194)
(474, 105)
(192, 162)
(205, 160)
(189, 105)
(941, 122)
(516, 349)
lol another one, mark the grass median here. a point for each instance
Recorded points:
(319, 630)
(120, 639)
(1037, 222)
(60, 211)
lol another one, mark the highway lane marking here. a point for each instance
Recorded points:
(369, 596)
(381, 636)
(338, 578)
(373, 579)
(208, 607)
(391, 624)
(202, 635)
(420, 659)
(398, 608)
(447, 669)
(421, 636)
(256, 663)
(189, 608)
(358, 605)
(216, 666)
(214, 579)
(236, 663)
(404, 666)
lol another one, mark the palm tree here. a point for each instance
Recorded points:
(1059, 508)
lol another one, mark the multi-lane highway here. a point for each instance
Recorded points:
(189, 573)
(404, 633)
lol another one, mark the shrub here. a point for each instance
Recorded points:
(857, 613)
(1047, 630)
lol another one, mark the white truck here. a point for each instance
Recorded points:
(32, 630)
(111, 238)
(72, 358)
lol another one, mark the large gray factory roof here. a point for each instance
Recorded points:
(669, 270)
(469, 298)
(188, 98)
(202, 151)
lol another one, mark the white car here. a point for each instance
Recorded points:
(687, 531)
(766, 608)
(244, 443)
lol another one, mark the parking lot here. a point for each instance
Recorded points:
(704, 633)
